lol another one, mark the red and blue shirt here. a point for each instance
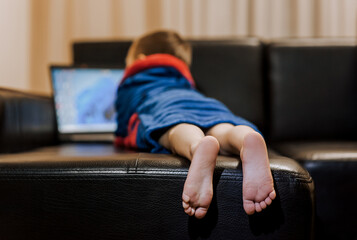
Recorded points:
(157, 93)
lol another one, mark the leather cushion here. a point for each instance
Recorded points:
(26, 121)
(312, 89)
(100, 53)
(91, 191)
(231, 71)
(333, 166)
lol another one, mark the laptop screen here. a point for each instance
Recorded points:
(84, 99)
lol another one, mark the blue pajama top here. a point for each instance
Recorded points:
(157, 93)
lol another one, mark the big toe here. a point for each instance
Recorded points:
(249, 207)
(200, 212)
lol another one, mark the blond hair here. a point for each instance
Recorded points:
(168, 42)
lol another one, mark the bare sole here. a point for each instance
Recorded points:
(198, 190)
(258, 185)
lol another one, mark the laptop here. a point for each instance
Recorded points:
(84, 102)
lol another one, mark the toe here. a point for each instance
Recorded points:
(192, 212)
(249, 207)
(185, 198)
(268, 200)
(185, 205)
(258, 207)
(200, 212)
(263, 205)
(272, 195)
(188, 211)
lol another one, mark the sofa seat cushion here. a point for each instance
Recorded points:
(94, 191)
(333, 166)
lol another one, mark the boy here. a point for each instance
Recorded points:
(160, 110)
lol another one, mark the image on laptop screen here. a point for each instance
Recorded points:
(84, 99)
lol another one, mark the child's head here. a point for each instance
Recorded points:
(168, 42)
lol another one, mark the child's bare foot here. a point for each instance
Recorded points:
(198, 190)
(258, 185)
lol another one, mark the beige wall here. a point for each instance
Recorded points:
(36, 33)
(14, 44)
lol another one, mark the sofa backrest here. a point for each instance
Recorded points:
(312, 89)
(228, 70)
(231, 71)
(26, 121)
(105, 54)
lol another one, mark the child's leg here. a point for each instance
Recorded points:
(258, 186)
(189, 141)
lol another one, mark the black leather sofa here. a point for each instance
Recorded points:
(94, 191)
(312, 118)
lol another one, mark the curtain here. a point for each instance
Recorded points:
(55, 24)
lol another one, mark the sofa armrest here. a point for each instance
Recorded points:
(26, 121)
(95, 191)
